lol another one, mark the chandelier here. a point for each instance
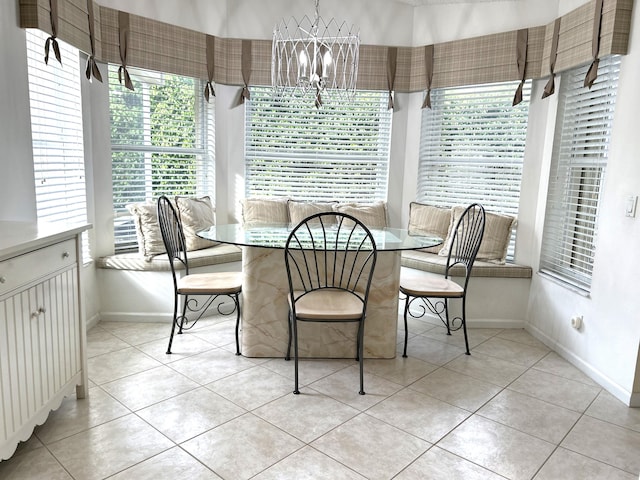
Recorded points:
(315, 57)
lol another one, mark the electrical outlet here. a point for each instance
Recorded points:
(630, 206)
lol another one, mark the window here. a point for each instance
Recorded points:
(162, 142)
(57, 135)
(580, 152)
(472, 148)
(337, 152)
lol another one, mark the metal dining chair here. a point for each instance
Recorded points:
(330, 259)
(213, 285)
(434, 291)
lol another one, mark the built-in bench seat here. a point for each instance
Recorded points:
(138, 288)
(215, 255)
(434, 263)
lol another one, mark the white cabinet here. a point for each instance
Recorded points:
(42, 332)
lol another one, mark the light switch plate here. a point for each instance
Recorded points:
(630, 206)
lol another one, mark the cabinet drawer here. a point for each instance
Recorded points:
(23, 269)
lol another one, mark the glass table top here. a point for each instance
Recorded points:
(275, 236)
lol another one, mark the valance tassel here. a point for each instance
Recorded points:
(92, 69)
(52, 42)
(122, 72)
(209, 91)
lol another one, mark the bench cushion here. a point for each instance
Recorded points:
(216, 255)
(434, 263)
(429, 220)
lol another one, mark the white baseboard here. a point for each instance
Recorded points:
(626, 397)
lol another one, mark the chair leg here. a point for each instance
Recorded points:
(406, 328)
(173, 323)
(361, 355)
(295, 354)
(236, 299)
(464, 324)
(288, 356)
(184, 313)
(446, 314)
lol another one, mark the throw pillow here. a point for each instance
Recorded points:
(298, 211)
(373, 215)
(257, 211)
(495, 242)
(195, 214)
(145, 219)
(429, 220)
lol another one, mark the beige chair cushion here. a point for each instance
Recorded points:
(216, 283)
(424, 284)
(298, 211)
(145, 218)
(429, 220)
(495, 242)
(373, 215)
(259, 211)
(328, 304)
(195, 214)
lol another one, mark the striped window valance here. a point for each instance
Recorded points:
(491, 58)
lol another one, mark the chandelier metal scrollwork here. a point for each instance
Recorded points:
(315, 57)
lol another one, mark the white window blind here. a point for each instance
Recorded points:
(338, 152)
(56, 129)
(472, 148)
(162, 142)
(580, 153)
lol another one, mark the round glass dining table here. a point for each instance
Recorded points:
(275, 236)
(264, 324)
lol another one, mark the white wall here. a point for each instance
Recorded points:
(17, 185)
(609, 344)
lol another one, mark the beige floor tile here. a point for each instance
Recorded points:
(75, 416)
(111, 447)
(529, 415)
(371, 447)
(101, 341)
(190, 414)
(476, 336)
(114, 365)
(306, 417)
(345, 385)
(438, 464)
(514, 352)
(136, 333)
(37, 464)
(555, 364)
(602, 441)
(421, 415)
(253, 387)
(400, 370)
(457, 389)
(308, 464)
(172, 464)
(185, 345)
(31, 443)
(211, 365)
(498, 448)
(608, 408)
(219, 334)
(415, 325)
(520, 335)
(310, 370)
(557, 390)
(151, 386)
(487, 369)
(433, 351)
(242, 447)
(567, 465)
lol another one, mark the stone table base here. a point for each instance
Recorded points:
(265, 312)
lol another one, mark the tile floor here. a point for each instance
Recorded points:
(513, 409)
